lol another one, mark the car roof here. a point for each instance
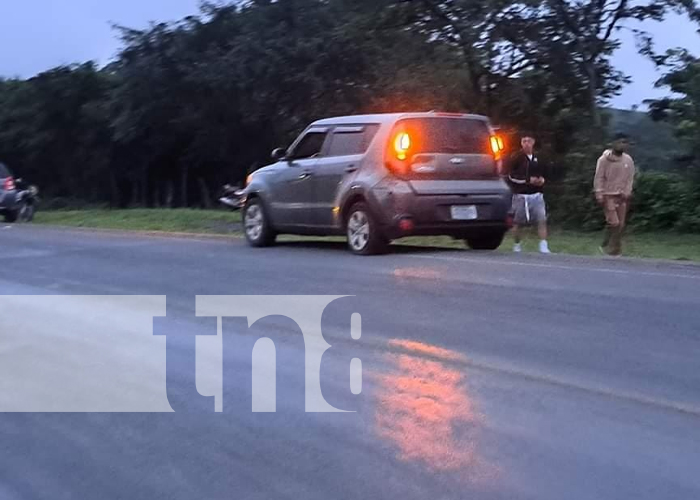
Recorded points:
(388, 118)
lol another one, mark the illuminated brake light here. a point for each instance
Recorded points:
(495, 147)
(402, 144)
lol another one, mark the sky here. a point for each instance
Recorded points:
(40, 34)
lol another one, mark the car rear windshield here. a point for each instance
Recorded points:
(447, 135)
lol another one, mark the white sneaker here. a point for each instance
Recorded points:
(544, 247)
(517, 248)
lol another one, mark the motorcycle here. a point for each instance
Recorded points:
(231, 197)
(27, 201)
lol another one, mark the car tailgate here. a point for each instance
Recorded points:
(459, 187)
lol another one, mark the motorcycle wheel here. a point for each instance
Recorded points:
(26, 213)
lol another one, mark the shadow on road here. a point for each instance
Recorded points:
(396, 248)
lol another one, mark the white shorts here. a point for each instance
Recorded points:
(529, 209)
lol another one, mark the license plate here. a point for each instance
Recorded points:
(464, 212)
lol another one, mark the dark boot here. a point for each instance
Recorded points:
(606, 238)
(615, 247)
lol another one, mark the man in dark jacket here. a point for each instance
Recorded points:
(526, 176)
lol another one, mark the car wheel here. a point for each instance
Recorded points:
(256, 225)
(486, 240)
(363, 232)
(11, 216)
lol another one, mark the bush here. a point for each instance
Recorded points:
(571, 200)
(660, 200)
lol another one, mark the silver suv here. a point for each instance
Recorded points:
(376, 178)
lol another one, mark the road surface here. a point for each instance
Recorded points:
(486, 376)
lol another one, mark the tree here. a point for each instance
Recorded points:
(683, 79)
(571, 41)
(588, 32)
(217, 92)
(55, 128)
(187, 106)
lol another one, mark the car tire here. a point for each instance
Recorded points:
(256, 225)
(363, 232)
(11, 216)
(491, 240)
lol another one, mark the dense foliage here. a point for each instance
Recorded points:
(682, 111)
(187, 106)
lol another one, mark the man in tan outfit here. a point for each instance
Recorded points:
(614, 180)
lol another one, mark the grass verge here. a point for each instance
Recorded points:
(672, 246)
(175, 220)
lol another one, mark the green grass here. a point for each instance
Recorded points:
(673, 246)
(175, 220)
(660, 245)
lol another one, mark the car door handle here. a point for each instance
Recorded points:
(305, 175)
(351, 168)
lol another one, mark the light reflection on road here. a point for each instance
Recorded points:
(425, 411)
(412, 273)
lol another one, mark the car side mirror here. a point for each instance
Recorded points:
(279, 154)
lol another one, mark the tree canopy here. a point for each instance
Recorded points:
(682, 111)
(187, 106)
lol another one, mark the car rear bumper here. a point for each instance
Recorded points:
(406, 214)
(462, 230)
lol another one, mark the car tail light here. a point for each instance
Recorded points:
(9, 184)
(497, 147)
(399, 152)
(402, 144)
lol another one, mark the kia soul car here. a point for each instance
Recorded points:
(377, 178)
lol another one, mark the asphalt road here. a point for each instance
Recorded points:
(485, 376)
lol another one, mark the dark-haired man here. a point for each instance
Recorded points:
(613, 183)
(526, 176)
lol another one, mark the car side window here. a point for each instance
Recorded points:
(309, 146)
(348, 141)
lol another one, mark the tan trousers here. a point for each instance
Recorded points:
(615, 211)
(615, 208)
